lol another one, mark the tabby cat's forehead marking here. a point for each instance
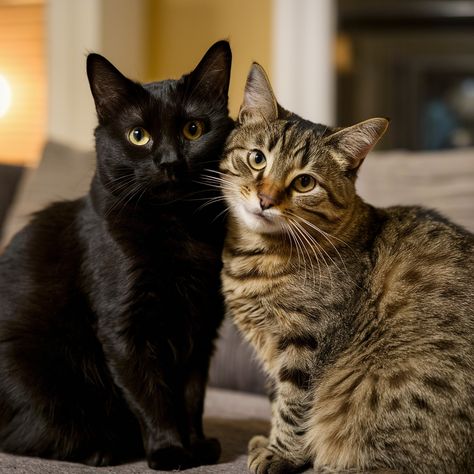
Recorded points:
(288, 145)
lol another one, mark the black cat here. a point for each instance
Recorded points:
(109, 304)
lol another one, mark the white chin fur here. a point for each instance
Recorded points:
(256, 223)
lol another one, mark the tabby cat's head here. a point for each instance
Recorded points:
(158, 136)
(281, 170)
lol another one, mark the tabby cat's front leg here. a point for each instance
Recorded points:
(283, 452)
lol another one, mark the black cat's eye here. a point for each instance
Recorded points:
(193, 129)
(138, 136)
(304, 183)
(257, 160)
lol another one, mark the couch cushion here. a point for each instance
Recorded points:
(63, 173)
(440, 180)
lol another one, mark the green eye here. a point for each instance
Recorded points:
(304, 183)
(138, 136)
(257, 160)
(193, 130)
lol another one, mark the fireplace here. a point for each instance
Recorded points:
(411, 61)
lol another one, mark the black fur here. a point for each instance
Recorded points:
(109, 304)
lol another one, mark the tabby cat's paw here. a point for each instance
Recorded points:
(169, 459)
(206, 451)
(258, 441)
(262, 460)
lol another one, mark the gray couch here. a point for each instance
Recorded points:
(233, 414)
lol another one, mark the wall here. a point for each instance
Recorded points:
(113, 28)
(22, 63)
(180, 32)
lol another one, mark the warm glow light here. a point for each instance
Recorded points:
(5, 96)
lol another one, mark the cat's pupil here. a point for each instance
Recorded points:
(304, 180)
(193, 128)
(138, 134)
(258, 157)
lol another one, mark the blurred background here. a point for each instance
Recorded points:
(331, 61)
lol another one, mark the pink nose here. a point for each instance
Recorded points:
(266, 201)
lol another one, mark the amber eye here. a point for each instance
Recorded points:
(193, 130)
(304, 183)
(257, 160)
(139, 136)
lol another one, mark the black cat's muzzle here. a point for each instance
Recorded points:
(170, 174)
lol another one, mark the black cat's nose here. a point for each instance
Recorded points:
(170, 171)
(166, 157)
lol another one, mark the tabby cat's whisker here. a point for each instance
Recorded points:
(226, 209)
(325, 235)
(209, 202)
(308, 241)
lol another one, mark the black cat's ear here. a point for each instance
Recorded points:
(109, 87)
(352, 144)
(259, 101)
(211, 76)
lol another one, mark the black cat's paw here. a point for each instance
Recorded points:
(206, 451)
(170, 458)
(101, 458)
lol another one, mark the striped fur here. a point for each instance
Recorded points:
(362, 317)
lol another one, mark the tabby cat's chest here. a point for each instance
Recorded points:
(262, 297)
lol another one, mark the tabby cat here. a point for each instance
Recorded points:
(362, 317)
(109, 304)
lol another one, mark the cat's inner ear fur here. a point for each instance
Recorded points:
(211, 76)
(259, 101)
(109, 87)
(352, 144)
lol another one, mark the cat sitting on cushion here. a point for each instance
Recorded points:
(362, 317)
(109, 305)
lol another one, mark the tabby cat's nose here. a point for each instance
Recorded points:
(266, 202)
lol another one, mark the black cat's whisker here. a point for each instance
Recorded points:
(121, 186)
(123, 200)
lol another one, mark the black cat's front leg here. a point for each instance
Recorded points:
(143, 364)
(204, 450)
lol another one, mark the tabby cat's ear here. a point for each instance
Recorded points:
(352, 144)
(259, 101)
(109, 87)
(210, 79)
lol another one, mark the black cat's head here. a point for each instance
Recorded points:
(158, 137)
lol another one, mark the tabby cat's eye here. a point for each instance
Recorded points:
(193, 130)
(139, 136)
(304, 183)
(257, 160)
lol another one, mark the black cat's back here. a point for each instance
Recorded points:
(52, 365)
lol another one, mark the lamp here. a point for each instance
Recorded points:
(5, 96)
